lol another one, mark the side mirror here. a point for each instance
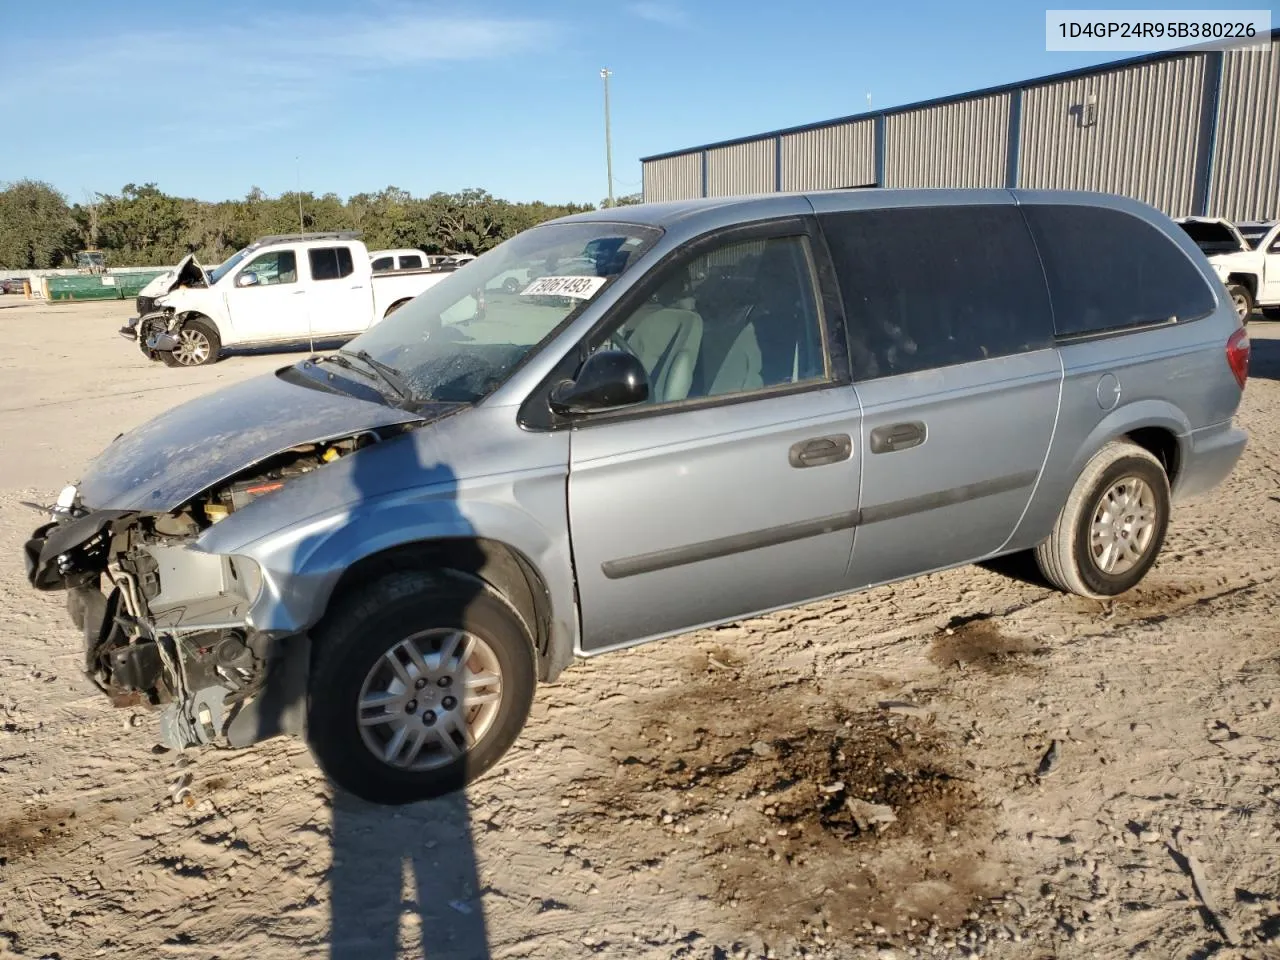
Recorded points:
(247, 279)
(609, 379)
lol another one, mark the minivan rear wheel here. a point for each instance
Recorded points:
(419, 684)
(1112, 526)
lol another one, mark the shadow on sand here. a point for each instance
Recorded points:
(404, 880)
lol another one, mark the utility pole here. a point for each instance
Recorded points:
(302, 229)
(302, 232)
(608, 144)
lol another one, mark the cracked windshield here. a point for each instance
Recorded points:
(461, 338)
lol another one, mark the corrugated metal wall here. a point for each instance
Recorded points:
(742, 168)
(1142, 142)
(1143, 137)
(1245, 182)
(961, 144)
(673, 178)
(829, 158)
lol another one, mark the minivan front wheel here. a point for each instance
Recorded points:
(419, 685)
(1112, 526)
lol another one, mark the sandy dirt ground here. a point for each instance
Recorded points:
(1067, 778)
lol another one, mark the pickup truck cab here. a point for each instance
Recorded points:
(280, 290)
(692, 413)
(391, 261)
(1248, 265)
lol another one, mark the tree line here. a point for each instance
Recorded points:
(144, 226)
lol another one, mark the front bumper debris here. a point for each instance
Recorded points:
(162, 341)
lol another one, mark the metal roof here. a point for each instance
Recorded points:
(956, 97)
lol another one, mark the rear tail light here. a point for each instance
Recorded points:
(1238, 355)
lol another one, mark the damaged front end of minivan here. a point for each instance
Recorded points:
(168, 624)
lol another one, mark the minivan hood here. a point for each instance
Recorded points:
(185, 451)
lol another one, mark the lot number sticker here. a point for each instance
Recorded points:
(580, 288)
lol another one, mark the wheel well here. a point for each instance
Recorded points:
(1246, 280)
(507, 571)
(1161, 444)
(396, 306)
(185, 318)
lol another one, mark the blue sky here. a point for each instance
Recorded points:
(441, 96)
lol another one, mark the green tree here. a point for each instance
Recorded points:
(37, 229)
(627, 200)
(143, 226)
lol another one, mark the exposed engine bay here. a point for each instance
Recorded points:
(165, 626)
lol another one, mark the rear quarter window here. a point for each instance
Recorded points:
(927, 287)
(1108, 270)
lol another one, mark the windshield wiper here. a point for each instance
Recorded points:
(387, 374)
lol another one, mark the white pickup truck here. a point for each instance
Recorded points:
(1250, 268)
(403, 258)
(298, 289)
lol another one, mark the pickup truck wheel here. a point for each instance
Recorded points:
(198, 345)
(1112, 527)
(1242, 299)
(419, 685)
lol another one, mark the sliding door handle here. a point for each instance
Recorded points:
(820, 450)
(897, 436)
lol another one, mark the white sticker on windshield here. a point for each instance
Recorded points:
(580, 288)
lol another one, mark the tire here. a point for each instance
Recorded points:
(1242, 299)
(200, 345)
(511, 285)
(393, 308)
(1067, 557)
(351, 662)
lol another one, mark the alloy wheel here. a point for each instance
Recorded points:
(1123, 526)
(193, 347)
(429, 699)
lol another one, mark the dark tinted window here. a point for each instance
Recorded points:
(330, 263)
(410, 263)
(1108, 270)
(382, 264)
(929, 287)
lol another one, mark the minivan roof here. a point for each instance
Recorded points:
(669, 212)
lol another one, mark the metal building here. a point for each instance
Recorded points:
(1190, 132)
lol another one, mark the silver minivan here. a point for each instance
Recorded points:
(687, 413)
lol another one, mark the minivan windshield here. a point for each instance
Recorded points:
(462, 337)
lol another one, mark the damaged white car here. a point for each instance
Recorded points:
(284, 290)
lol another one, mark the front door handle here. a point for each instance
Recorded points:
(897, 436)
(820, 450)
